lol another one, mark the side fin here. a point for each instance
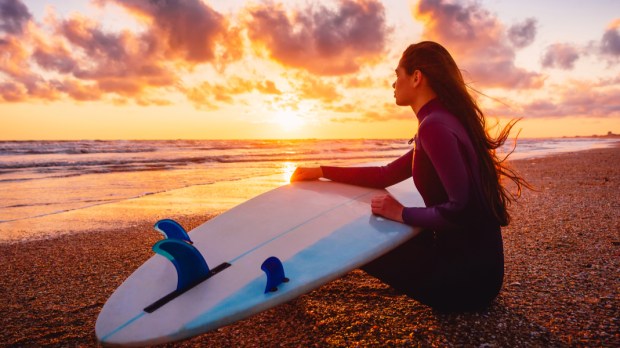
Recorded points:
(274, 270)
(191, 268)
(172, 230)
(190, 264)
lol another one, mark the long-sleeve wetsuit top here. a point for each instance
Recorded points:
(445, 170)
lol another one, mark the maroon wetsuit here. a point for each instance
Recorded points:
(457, 262)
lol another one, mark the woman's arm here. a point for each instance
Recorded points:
(377, 177)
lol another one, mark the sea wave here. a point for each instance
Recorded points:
(120, 156)
(69, 147)
(30, 160)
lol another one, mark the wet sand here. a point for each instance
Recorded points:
(561, 286)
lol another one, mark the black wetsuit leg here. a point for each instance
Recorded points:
(443, 277)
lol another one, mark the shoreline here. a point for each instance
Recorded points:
(191, 200)
(560, 288)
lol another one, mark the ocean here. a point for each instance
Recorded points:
(49, 188)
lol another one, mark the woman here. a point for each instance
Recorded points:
(457, 262)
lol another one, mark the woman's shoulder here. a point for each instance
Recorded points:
(442, 124)
(440, 119)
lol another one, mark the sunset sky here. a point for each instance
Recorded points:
(219, 69)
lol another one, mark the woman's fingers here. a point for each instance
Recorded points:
(377, 203)
(303, 173)
(386, 206)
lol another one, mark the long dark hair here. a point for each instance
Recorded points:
(446, 80)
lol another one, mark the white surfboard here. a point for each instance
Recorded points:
(319, 230)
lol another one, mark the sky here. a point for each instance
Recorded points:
(230, 69)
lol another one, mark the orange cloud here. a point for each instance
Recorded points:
(90, 64)
(209, 96)
(76, 58)
(13, 57)
(22, 83)
(321, 40)
(356, 82)
(375, 116)
(479, 42)
(54, 58)
(374, 113)
(12, 92)
(312, 87)
(118, 63)
(80, 91)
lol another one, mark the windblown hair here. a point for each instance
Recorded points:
(446, 80)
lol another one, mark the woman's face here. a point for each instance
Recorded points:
(403, 90)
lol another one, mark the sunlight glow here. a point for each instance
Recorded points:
(288, 119)
(287, 171)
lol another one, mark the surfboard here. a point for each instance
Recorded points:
(261, 253)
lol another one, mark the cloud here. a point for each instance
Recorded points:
(355, 82)
(80, 91)
(13, 17)
(28, 86)
(367, 111)
(523, 34)
(560, 55)
(184, 29)
(610, 42)
(379, 113)
(56, 58)
(85, 34)
(122, 63)
(593, 103)
(572, 98)
(311, 87)
(608, 81)
(210, 96)
(564, 55)
(90, 63)
(77, 58)
(13, 57)
(321, 40)
(12, 92)
(479, 42)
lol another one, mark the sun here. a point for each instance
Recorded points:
(288, 119)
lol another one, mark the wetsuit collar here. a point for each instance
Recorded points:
(431, 106)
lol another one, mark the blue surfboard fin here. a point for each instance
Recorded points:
(172, 230)
(272, 266)
(190, 265)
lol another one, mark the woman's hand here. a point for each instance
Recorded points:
(307, 173)
(388, 207)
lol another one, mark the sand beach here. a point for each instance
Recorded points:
(561, 287)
